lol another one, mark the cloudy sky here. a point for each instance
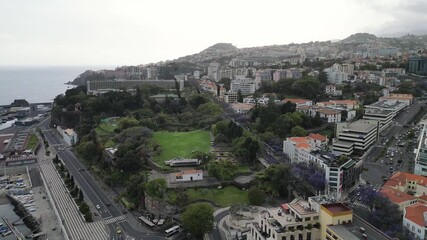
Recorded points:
(125, 32)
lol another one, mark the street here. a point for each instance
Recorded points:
(377, 168)
(111, 214)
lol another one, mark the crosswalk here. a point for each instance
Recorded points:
(114, 219)
(73, 221)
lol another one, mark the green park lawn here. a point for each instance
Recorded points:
(106, 128)
(224, 197)
(180, 144)
(32, 143)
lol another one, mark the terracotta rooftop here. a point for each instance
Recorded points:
(189, 171)
(395, 195)
(295, 100)
(303, 145)
(317, 136)
(347, 102)
(400, 179)
(415, 213)
(328, 111)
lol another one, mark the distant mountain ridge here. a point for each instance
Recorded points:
(359, 38)
(224, 52)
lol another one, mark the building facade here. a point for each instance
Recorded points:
(418, 65)
(68, 134)
(358, 135)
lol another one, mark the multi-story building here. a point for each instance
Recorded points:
(332, 90)
(328, 115)
(341, 175)
(294, 220)
(347, 105)
(234, 72)
(68, 134)
(263, 75)
(245, 85)
(355, 136)
(318, 218)
(230, 97)
(213, 71)
(348, 68)
(418, 65)
(385, 117)
(298, 101)
(383, 111)
(119, 84)
(421, 152)
(293, 145)
(405, 189)
(415, 220)
(393, 98)
(392, 72)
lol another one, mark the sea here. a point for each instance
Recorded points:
(6, 210)
(38, 84)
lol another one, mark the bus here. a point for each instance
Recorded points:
(171, 231)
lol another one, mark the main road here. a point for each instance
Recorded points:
(377, 169)
(108, 211)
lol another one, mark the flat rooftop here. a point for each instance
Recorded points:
(336, 207)
(345, 232)
(350, 231)
(361, 125)
(384, 104)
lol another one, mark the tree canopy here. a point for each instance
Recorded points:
(198, 219)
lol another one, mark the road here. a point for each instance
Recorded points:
(111, 214)
(376, 170)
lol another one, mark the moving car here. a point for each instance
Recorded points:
(119, 230)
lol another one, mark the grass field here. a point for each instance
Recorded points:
(180, 144)
(224, 197)
(32, 143)
(106, 128)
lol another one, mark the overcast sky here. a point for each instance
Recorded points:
(130, 32)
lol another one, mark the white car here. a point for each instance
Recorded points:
(98, 207)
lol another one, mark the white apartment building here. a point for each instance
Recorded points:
(245, 85)
(332, 90)
(385, 117)
(328, 115)
(294, 220)
(415, 220)
(421, 152)
(393, 98)
(263, 75)
(213, 71)
(230, 97)
(68, 134)
(358, 135)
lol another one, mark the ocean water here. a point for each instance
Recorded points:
(36, 84)
(6, 210)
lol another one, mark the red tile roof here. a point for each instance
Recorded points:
(396, 196)
(317, 136)
(415, 213)
(401, 178)
(295, 100)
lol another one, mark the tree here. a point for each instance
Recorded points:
(256, 196)
(239, 96)
(198, 219)
(226, 81)
(298, 131)
(156, 188)
(344, 115)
